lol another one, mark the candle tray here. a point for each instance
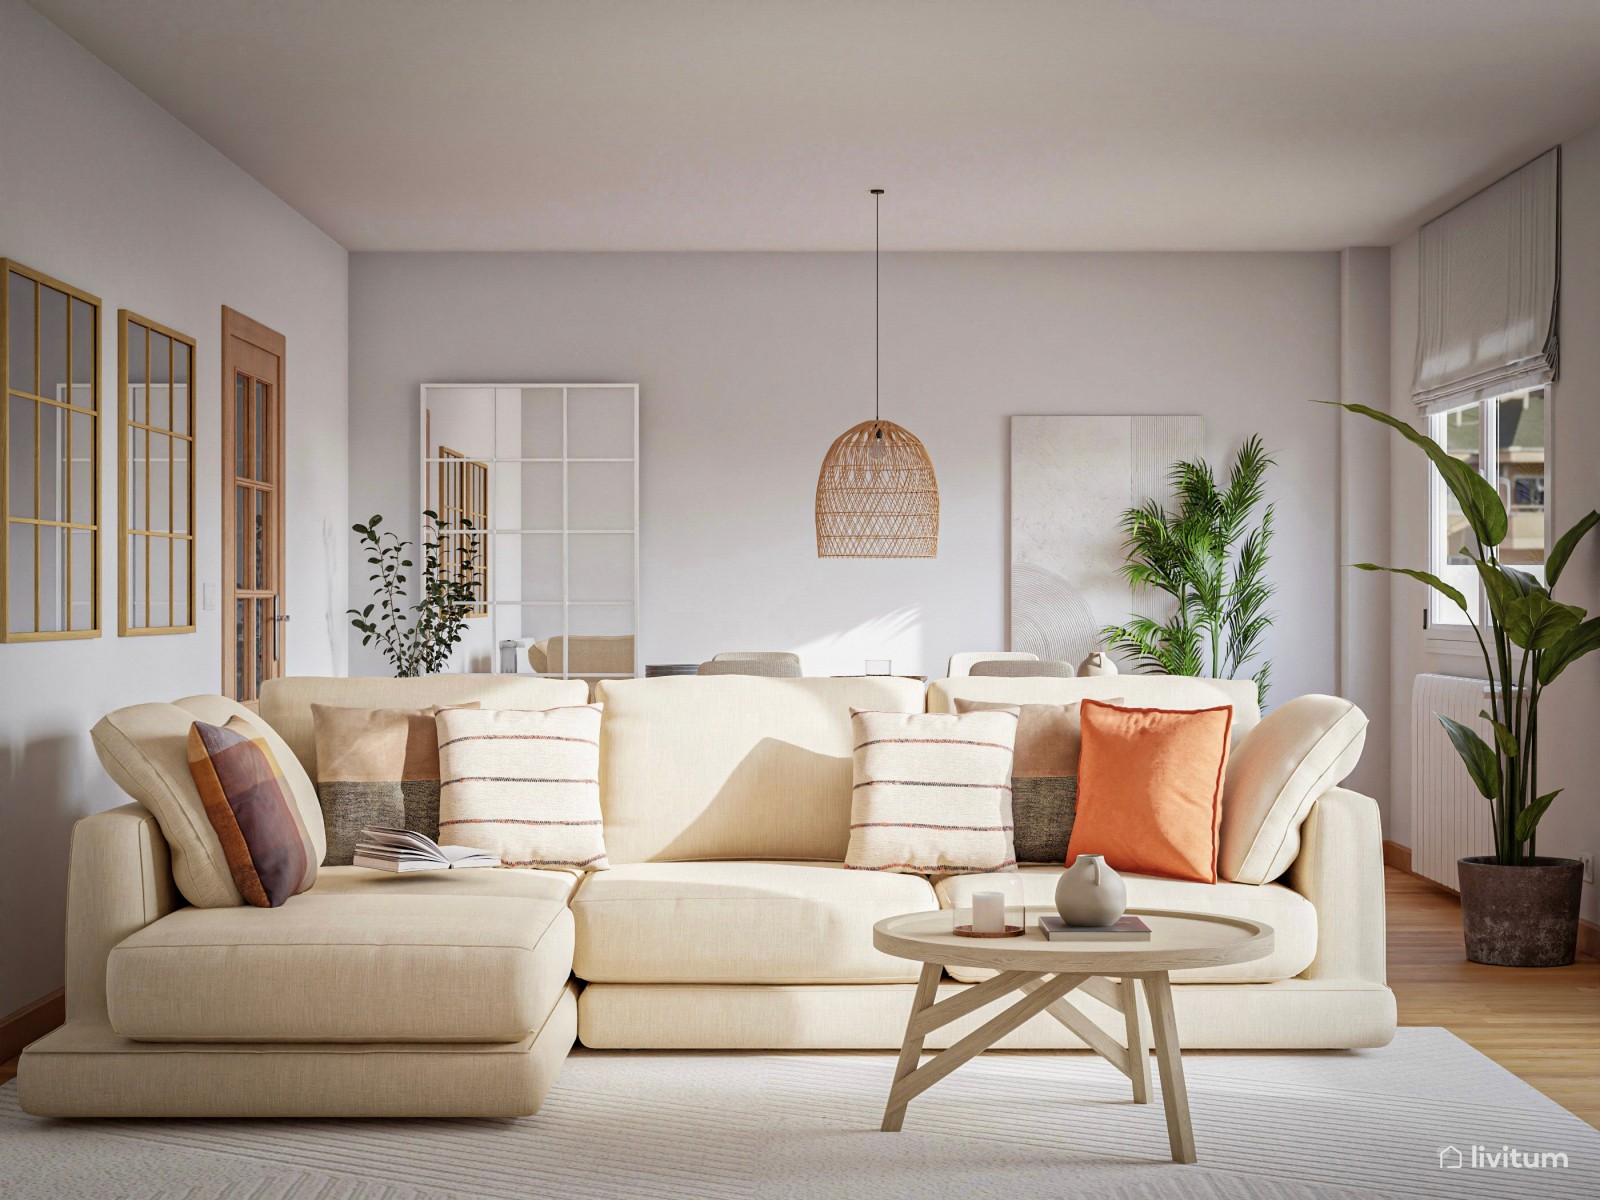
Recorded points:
(1008, 931)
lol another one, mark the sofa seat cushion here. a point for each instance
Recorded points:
(519, 882)
(1291, 915)
(362, 966)
(741, 922)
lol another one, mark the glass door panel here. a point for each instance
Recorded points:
(253, 360)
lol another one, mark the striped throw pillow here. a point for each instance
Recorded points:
(523, 784)
(932, 792)
(269, 853)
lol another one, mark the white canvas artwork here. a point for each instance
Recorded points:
(1071, 480)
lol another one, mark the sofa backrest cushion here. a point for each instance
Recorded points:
(1132, 691)
(286, 703)
(145, 749)
(1297, 753)
(733, 766)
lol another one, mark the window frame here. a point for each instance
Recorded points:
(125, 424)
(1458, 639)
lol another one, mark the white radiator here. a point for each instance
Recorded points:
(1449, 819)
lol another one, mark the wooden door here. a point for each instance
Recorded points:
(254, 620)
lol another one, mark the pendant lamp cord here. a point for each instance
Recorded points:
(877, 336)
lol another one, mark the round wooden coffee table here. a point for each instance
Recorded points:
(1046, 972)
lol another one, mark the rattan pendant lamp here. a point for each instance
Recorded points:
(877, 496)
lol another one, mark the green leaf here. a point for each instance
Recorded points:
(1528, 818)
(1480, 760)
(1480, 502)
(1581, 639)
(1566, 544)
(1504, 585)
(1502, 734)
(1536, 622)
(1432, 581)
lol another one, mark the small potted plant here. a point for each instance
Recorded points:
(1518, 909)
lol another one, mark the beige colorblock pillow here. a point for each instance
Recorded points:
(1276, 774)
(145, 749)
(523, 784)
(1044, 776)
(932, 792)
(376, 766)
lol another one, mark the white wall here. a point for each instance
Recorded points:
(101, 188)
(751, 364)
(1364, 596)
(1570, 713)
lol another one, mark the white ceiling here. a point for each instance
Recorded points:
(760, 124)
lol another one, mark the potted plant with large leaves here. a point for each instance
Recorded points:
(1518, 909)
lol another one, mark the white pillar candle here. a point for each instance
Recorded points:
(988, 912)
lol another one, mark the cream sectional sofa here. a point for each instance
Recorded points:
(727, 920)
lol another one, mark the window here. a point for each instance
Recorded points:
(1505, 440)
(155, 477)
(49, 458)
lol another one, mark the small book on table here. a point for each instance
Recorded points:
(1125, 929)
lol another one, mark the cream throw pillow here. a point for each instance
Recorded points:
(932, 792)
(523, 784)
(1275, 774)
(145, 749)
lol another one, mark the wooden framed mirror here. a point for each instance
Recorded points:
(49, 458)
(155, 478)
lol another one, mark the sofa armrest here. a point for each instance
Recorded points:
(1340, 870)
(119, 881)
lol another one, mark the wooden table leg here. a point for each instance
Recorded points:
(1174, 1093)
(911, 1049)
(1138, 1049)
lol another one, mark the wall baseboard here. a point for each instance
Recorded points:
(30, 1023)
(1399, 857)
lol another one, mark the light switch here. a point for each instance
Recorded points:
(208, 596)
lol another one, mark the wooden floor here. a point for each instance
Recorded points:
(1543, 1025)
(1540, 1024)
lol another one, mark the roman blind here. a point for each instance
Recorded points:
(1490, 288)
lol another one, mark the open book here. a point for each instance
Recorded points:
(385, 849)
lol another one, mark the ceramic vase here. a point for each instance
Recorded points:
(1098, 663)
(1091, 893)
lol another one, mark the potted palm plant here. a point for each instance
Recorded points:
(1518, 909)
(1208, 557)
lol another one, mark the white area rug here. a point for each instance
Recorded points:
(801, 1126)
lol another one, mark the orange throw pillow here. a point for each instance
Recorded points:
(1150, 789)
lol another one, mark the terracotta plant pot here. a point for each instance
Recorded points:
(1523, 916)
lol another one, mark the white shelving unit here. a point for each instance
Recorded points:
(562, 547)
